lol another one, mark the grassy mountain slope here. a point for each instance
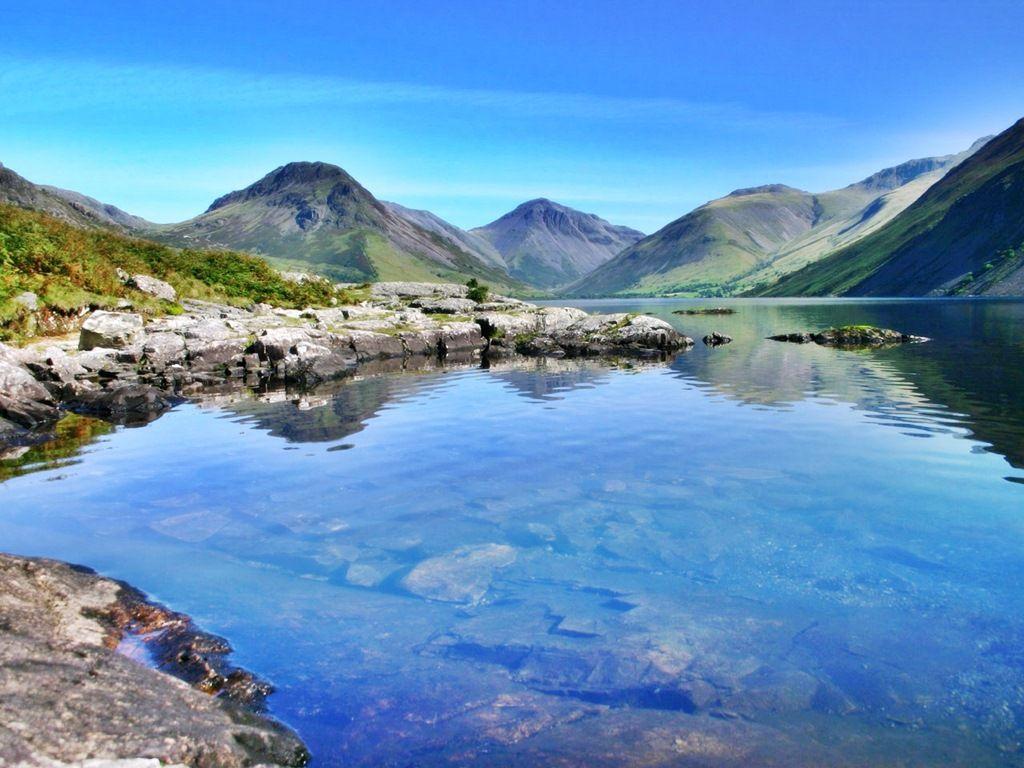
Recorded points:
(70, 207)
(547, 244)
(964, 235)
(753, 237)
(708, 247)
(70, 268)
(316, 216)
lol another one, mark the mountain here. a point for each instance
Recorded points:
(315, 216)
(69, 207)
(468, 241)
(105, 213)
(755, 236)
(965, 235)
(547, 244)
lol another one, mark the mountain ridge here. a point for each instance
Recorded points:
(755, 235)
(315, 215)
(964, 235)
(548, 244)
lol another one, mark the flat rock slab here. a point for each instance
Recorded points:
(461, 576)
(66, 694)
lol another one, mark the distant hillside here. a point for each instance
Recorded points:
(546, 244)
(755, 236)
(316, 216)
(965, 235)
(70, 207)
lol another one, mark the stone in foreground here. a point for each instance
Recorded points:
(59, 628)
(113, 330)
(851, 336)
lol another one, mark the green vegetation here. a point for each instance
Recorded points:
(72, 269)
(477, 291)
(941, 243)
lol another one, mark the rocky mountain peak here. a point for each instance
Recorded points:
(306, 180)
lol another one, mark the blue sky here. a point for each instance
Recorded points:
(636, 111)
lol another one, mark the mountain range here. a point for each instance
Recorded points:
(753, 237)
(315, 216)
(937, 225)
(964, 235)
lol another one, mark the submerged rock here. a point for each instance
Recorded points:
(851, 336)
(461, 576)
(60, 626)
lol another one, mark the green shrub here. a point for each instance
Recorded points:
(477, 291)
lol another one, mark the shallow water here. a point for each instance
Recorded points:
(764, 553)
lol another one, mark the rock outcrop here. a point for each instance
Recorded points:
(716, 339)
(60, 628)
(851, 336)
(128, 368)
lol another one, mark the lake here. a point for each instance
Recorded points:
(758, 554)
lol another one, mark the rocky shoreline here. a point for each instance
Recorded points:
(124, 367)
(68, 695)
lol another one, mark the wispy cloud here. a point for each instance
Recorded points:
(52, 85)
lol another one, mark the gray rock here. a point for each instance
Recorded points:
(460, 337)
(128, 401)
(275, 344)
(425, 342)
(410, 290)
(153, 286)
(502, 325)
(374, 346)
(110, 330)
(715, 339)
(461, 576)
(163, 348)
(620, 334)
(28, 300)
(552, 319)
(448, 306)
(851, 336)
(23, 400)
(208, 329)
(57, 666)
(214, 355)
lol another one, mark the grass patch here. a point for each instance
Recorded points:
(70, 269)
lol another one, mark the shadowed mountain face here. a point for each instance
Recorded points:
(71, 207)
(965, 235)
(755, 236)
(546, 244)
(316, 216)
